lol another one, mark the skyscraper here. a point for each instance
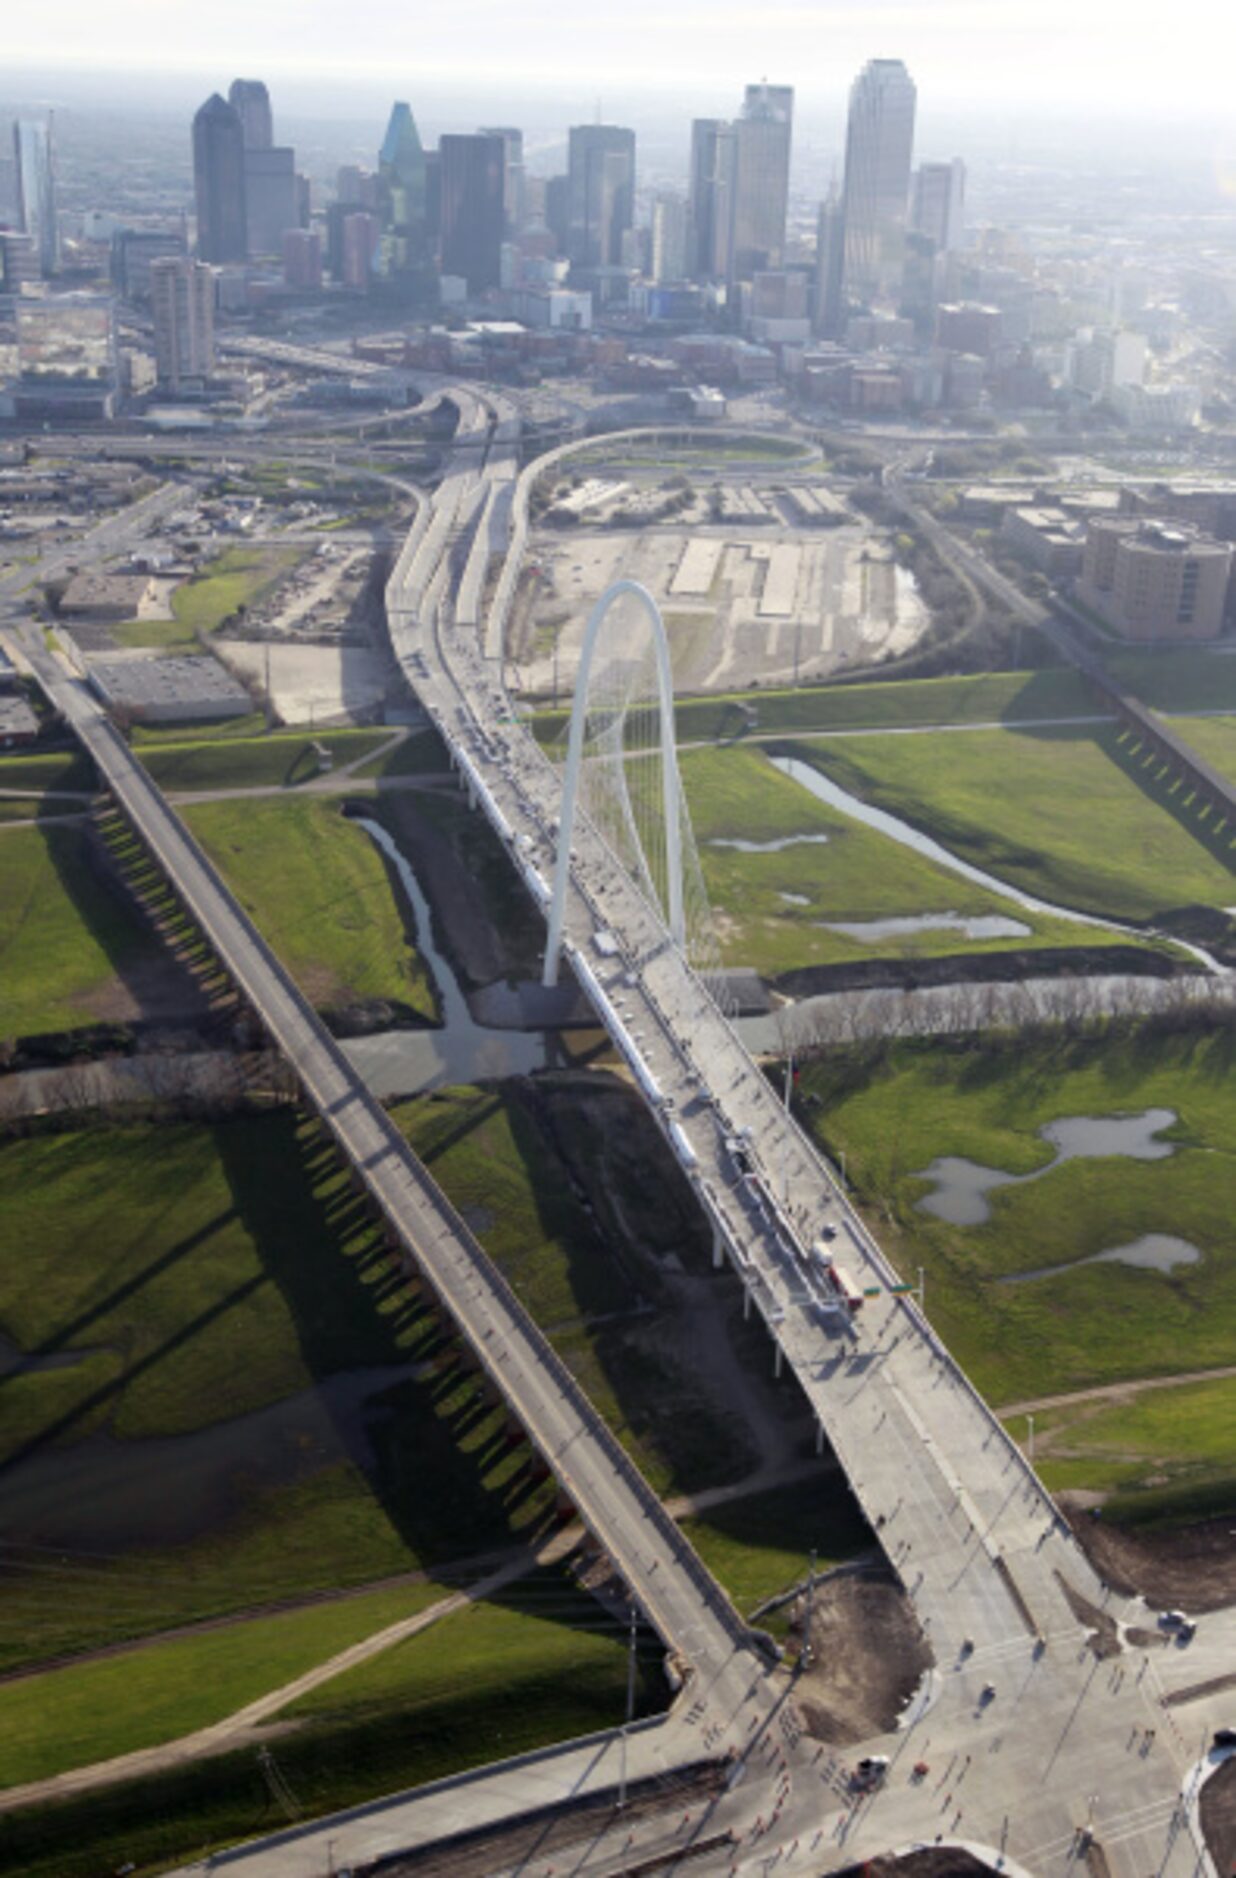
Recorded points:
(601, 189)
(708, 200)
(938, 205)
(879, 142)
(182, 299)
(829, 261)
(250, 99)
(472, 208)
(669, 237)
(271, 197)
(761, 180)
(512, 176)
(219, 181)
(36, 189)
(403, 203)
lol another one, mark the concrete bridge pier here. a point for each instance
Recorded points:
(778, 1358)
(718, 1250)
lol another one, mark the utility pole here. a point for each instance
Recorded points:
(622, 1780)
(806, 1654)
(922, 1290)
(1030, 1439)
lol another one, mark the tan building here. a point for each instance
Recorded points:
(1045, 537)
(1155, 580)
(182, 298)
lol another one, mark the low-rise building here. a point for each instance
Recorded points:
(1047, 538)
(18, 724)
(168, 690)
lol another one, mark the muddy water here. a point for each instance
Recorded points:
(1153, 1252)
(403, 1062)
(981, 926)
(962, 1186)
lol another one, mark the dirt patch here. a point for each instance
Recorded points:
(869, 1656)
(942, 1861)
(1104, 1638)
(1218, 1814)
(1192, 1566)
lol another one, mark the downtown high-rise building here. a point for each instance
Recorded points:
(35, 186)
(272, 198)
(668, 259)
(878, 150)
(600, 194)
(250, 99)
(708, 198)
(938, 204)
(403, 205)
(829, 265)
(760, 189)
(472, 209)
(182, 304)
(219, 182)
(513, 178)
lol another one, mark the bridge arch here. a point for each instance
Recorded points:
(575, 747)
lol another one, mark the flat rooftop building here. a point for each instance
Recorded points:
(1155, 580)
(168, 691)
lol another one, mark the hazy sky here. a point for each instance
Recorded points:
(1174, 57)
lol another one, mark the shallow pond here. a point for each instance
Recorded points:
(980, 926)
(768, 847)
(962, 1186)
(1153, 1252)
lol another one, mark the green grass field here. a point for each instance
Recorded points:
(166, 635)
(1167, 1453)
(420, 753)
(116, 1704)
(202, 1272)
(1214, 738)
(282, 760)
(760, 1546)
(238, 578)
(65, 931)
(323, 898)
(856, 875)
(542, 1663)
(1185, 679)
(202, 730)
(893, 1111)
(68, 769)
(985, 697)
(1055, 812)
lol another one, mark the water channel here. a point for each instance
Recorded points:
(403, 1062)
(825, 790)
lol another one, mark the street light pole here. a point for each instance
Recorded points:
(922, 1290)
(1030, 1439)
